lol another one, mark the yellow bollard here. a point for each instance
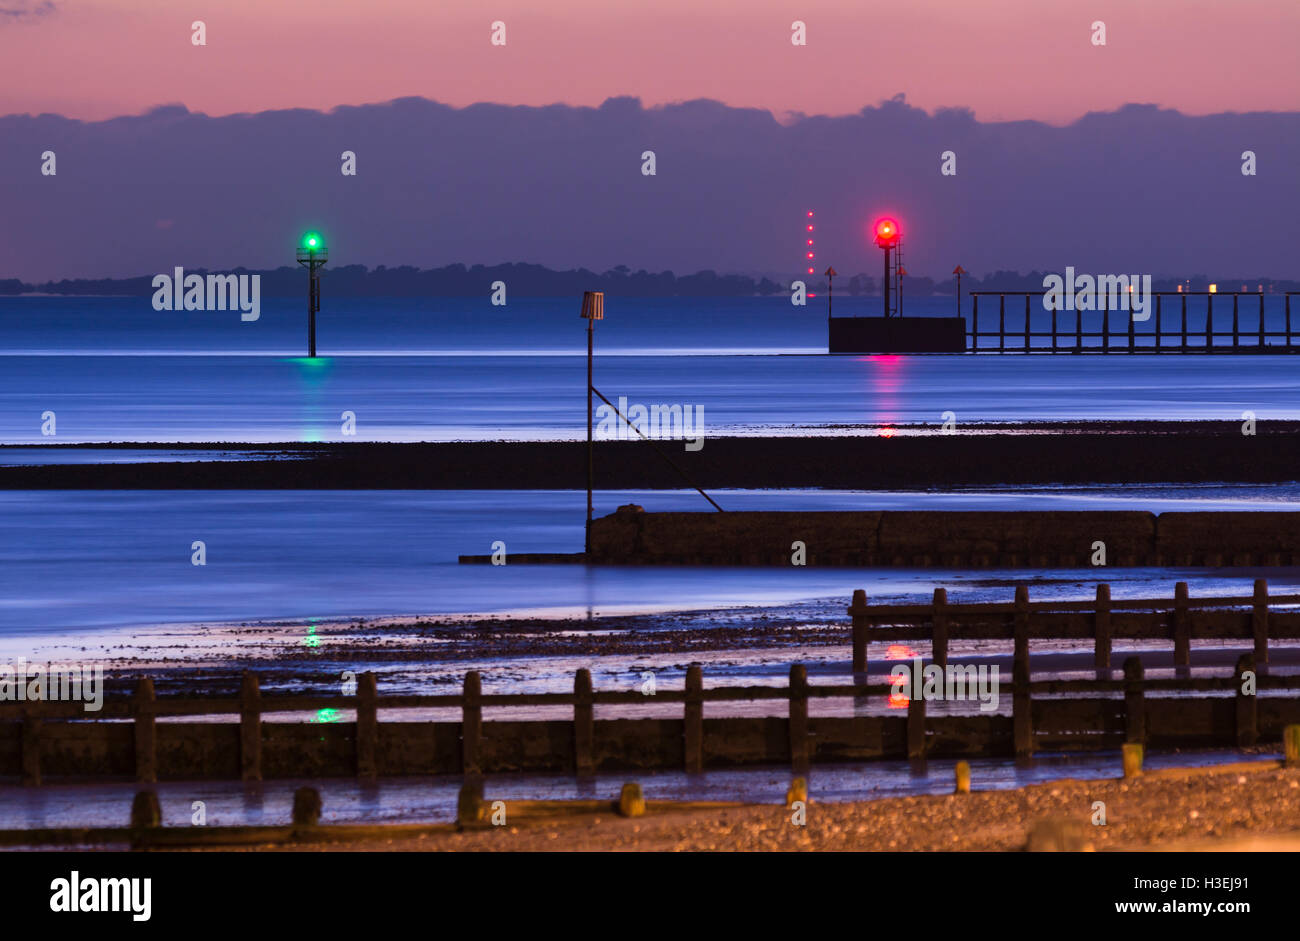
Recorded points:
(631, 803)
(1291, 745)
(963, 778)
(798, 792)
(1132, 760)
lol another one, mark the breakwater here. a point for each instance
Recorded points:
(1017, 539)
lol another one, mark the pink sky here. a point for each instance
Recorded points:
(1006, 59)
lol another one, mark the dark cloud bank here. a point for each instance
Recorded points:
(1135, 190)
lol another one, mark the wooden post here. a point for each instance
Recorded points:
(470, 806)
(693, 734)
(1101, 628)
(1105, 324)
(1053, 326)
(1159, 318)
(1132, 328)
(1026, 323)
(1288, 321)
(583, 722)
(146, 741)
(939, 652)
(250, 728)
(975, 319)
(799, 719)
(1022, 721)
(31, 748)
(1022, 622)
(1259, 620)
(858, 611)
(1021, 706)
(916, 721)
(146, 813)
(1261, 321)
(367, 726)
(1291, 746)
(1002, 322)
(1078, 330)
(1184, 339)
(307, 805)
(1135, 720)
(1182, 627)
(1236, 323)
(471, 725)
(1247, 703)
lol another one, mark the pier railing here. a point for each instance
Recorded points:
(1035, 326)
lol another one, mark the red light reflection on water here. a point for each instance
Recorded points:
(885, 377)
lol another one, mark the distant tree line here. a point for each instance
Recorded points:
(524, 280)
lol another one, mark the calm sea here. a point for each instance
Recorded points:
(113, 369)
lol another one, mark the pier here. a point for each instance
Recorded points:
(1170, 327)
(1021, 322)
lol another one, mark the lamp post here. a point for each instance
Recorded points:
(312, 253)
(830, 289)
(959, 271)
(887, 236)
(593, 309)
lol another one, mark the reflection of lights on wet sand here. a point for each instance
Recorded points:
(900, 652)
(886, 432)
(327, 715)
(897, 699)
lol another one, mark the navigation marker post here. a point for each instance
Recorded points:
(312, 253)
(593, 309)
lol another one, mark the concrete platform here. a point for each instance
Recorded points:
(897, 335)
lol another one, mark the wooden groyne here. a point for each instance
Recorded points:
(1253, 620)
(1046, 715)
(133, 738)
(948, 538)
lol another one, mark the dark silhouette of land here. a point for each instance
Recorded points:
(1083, 453)
(527, 280)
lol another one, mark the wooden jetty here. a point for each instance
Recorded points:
(1167, 330)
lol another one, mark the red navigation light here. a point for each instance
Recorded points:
(886, 233)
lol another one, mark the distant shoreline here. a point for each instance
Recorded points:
(860, 457)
